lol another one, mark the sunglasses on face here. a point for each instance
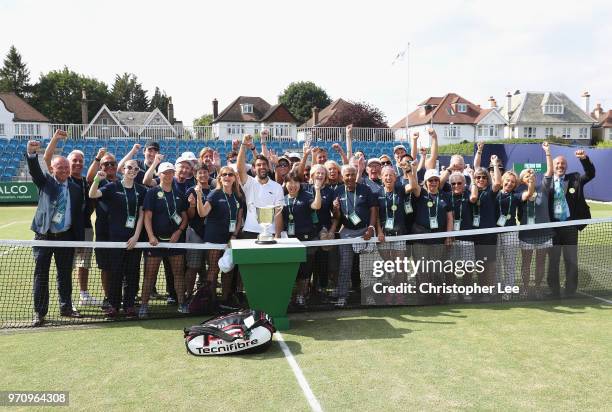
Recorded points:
(480, 177)
(107, 164)
(385, 163)
(134, 168)
(227, 174)
(283, 165)
(434, 180)
(457, 184)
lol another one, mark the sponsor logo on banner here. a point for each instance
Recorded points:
(18, 192)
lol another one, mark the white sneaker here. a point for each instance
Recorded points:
(88, 300)
(143, 312)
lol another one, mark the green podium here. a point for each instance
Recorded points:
(268, 273)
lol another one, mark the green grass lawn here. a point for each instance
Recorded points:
(539, 356)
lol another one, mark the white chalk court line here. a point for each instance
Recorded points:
(595, 297)
(312, 400)
(13, 223)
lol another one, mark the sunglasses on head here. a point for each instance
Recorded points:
(106, 164)
(227, 174)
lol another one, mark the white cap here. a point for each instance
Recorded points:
(431, 173)
(186, 157)
(373, 160)
(294, 154)
(399, 146)
(164, 167)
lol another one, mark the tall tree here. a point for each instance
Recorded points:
(359, 114)
(128, 95)
(58, 95)
(204, 120)
(159, 101)
(301, 97)
(14, 75)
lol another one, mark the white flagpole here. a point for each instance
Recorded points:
(407, 89)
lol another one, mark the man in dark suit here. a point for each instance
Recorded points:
(566, 202)
(58, 218)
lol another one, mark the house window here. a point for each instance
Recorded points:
(529, 132)
(451, 131)
(583, 133)
(549, 132)
(280, 130)
(104, 121)
(488, 130)
(462, 107)
(450, 111)
(566, 132)
(610, 133)
(2, 132)
(235, 129)
(553, 108)
(246, 108)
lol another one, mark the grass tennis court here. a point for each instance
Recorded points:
(514, 356)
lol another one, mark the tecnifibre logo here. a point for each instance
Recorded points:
(412, 267)
(227, 348)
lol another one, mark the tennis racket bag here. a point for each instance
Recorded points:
(245, 331)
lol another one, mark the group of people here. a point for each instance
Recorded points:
(200, 200)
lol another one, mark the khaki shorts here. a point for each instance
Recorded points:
(82, 255)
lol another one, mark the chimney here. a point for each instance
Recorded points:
(598, 112)
(587, 100)
(492, 102)
(509, 104)
(84, 114)
(170, 110)
(215, 108)
(315, 116)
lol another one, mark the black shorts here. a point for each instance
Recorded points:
(163, 252)
(103, 256)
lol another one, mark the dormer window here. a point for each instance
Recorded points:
(246, 108)
(450, 111)
(462, 107)
(552, 108)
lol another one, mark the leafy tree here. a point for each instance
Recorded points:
(14, 75)
(128, 95)
(359, 114)
(159, 100)
(58, 95)
(204, 120)
(301, 97)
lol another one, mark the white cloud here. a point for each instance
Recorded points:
(199, 50)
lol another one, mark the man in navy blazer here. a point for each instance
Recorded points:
(58, 218)
(566, 202)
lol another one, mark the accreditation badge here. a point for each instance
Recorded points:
(433, 222)
(354, 218)
(130, 223)
(389, 223)
(502, 221)
(457, 224)
(176, 218)
(476, 221)
(57, 217)
(408, 208)
(291, 229)
(531, 220)
(232, 226)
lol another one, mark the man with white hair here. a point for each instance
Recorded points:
(58, 218)
(82, 256)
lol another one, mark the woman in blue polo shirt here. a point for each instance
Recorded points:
(433, 213)
(124, 200)
(165, 214)
(482, 196)
(298, 210)
(224, 215)
(507, 202)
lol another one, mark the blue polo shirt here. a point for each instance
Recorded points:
(507, 204)
(447, 187)
(485, 207)
(391, 205)
(360, 201)
(428, 205)
(181, 187)
(374, 185)
(163, 205)
(197, 222)
(462, 209)
(114, 195)
(299, 208)
(324, 214)
(101, 224)
(224, 208)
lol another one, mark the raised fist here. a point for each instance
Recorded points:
(546, 147)
(159, 158)
(101, 175)
(480, 145)
(580, 154)
(423, 150)
(318, 183)
(235, 144)
(136, 148)
(191, 199)
(336, 203)
(337, 147)
(247, 140)
(60, 134)
(494, 160)
(415, 136)
(33, 146)
(101, 153)
(432, 132)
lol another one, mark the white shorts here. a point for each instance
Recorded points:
(82, 255)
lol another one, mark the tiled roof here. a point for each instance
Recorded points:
(527, 108)
(326, 114)
(444, 110)
(21, 109)
(233, 112)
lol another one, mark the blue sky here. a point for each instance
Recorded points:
(197, 51)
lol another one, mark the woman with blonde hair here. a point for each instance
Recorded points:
(223, 213)
(334, 174)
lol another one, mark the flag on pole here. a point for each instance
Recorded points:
(400, 56)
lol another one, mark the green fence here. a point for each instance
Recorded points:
(18, 192)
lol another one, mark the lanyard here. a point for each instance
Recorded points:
(83, 187)
(429, 207)
(393, 208)
(509, 204)
(166, 200)
(354, 199)
(291, 206)
(229, 207)
(478, 203)
(460, 205)
(531, 210)
(127, 206)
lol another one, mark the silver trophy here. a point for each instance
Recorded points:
(265, 218)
